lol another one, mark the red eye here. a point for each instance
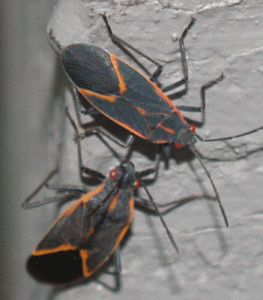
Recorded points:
(113, 173)
(192, 127)
(137, 184)
(178, 145)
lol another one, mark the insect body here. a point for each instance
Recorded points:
(130, 99)
(125, 95)
(85, 235)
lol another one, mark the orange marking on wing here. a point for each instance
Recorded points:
(140, 110)
(63, 247)
(122, 85)
(92, 193)
(113, 203)
(122, 124)
(87, 93)
(158, 91)
(167, 129)
(84, 254)
(66, 247)
(131, 204)
(126, 227)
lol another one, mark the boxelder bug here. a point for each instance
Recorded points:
(86, 234)
(130, 99)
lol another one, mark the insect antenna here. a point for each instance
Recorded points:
(162, 219)
(229, 137)
(212, 183)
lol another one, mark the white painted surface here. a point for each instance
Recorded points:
(214, 262)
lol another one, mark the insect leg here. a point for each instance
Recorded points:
(124, 45)
(147, 206)
(45, 182)
(64, 198)
(101, 132)
(82, 168)
(59, 47)
(117, 260)
(201, 108)
(98, 130)
(183, 61)
(117, 272)
(82, 106)
(154, 170)
(25, 204)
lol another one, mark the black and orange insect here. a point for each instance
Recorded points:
(86, 234)
(130, 99)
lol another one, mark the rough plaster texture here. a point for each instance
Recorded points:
(214, 262)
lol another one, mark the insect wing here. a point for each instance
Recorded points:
(111, 230)
(119, 111)
(83, 238)
(56, 258)
(55, 268)
(116, 89)
(138, 90)
(75, 224)
(89, 67)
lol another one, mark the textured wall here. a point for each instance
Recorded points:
(214, 262)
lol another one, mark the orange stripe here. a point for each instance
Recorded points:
(122, 85)
(158, 91)
(92, 193)
(167, 129)
(140, 110)
(84, 93)
(87, 93)
(84, 254)
(66, 247)
(126, 227)
(113, 203)
(63, 247)
(131, 209)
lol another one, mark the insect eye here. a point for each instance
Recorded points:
(178, 145)
(192, 127)
(113, 173)
(137, 183)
